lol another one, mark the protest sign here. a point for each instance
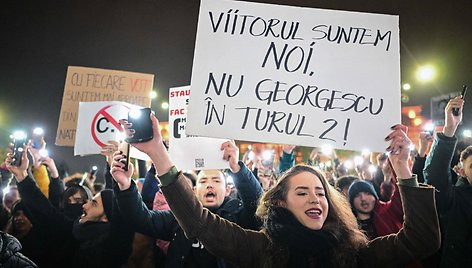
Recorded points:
(190, 152)
(97, 124)
(294, 75)
(91, 84)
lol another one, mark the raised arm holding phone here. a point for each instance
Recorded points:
(453, 201)
(211, 189)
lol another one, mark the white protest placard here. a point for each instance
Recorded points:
(84, 84)
(292, 75)
(190, 153)
(97, 124)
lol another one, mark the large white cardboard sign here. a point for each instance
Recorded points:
(195, 153)
(294, 75)
(97, 124)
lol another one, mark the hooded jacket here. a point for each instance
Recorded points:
(64, 249)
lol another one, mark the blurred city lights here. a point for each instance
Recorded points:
(165, 105)
(429, 127)
(411, 114)
(38, 131)
(372, 169)
(358, 160)
(418, 121)
(19, 135)
(406, 87)
(153, 94)
(348, 164)
(267, 155)
(426, 73)
(467, 133)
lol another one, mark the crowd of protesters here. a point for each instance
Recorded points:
(393, 209)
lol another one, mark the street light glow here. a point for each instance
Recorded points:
(429, 127)
(38, 131)
(348, 164)
(406, 86)
(426, 73)
(165, 105)
(19, 135)
(417, 121)
(153, 94)
(358, 160)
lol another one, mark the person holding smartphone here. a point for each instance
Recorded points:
(453, 200)
(99, 238)
(211, 189)
(40, 172)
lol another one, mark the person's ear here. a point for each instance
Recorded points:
(195, 189)
(462, 172)
(227, 190)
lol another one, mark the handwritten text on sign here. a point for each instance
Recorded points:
(294, 75)
(92, 85)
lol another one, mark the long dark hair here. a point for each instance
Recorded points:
(340, 222)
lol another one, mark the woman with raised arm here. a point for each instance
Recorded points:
(306, 222)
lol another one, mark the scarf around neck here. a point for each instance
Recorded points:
(90, 230)
(306, 247)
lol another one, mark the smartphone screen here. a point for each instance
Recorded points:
(37, 138)
(124, 148)
(18, 148)
(142, 125)
(455, 111)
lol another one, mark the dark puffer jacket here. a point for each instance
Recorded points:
(10, 255)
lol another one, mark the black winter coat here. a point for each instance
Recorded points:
(10, 256)
(163, 225)
(454, 203)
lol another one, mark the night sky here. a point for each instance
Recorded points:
(39, 39)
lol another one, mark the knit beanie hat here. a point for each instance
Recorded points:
(359, 186)
(107, 201)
